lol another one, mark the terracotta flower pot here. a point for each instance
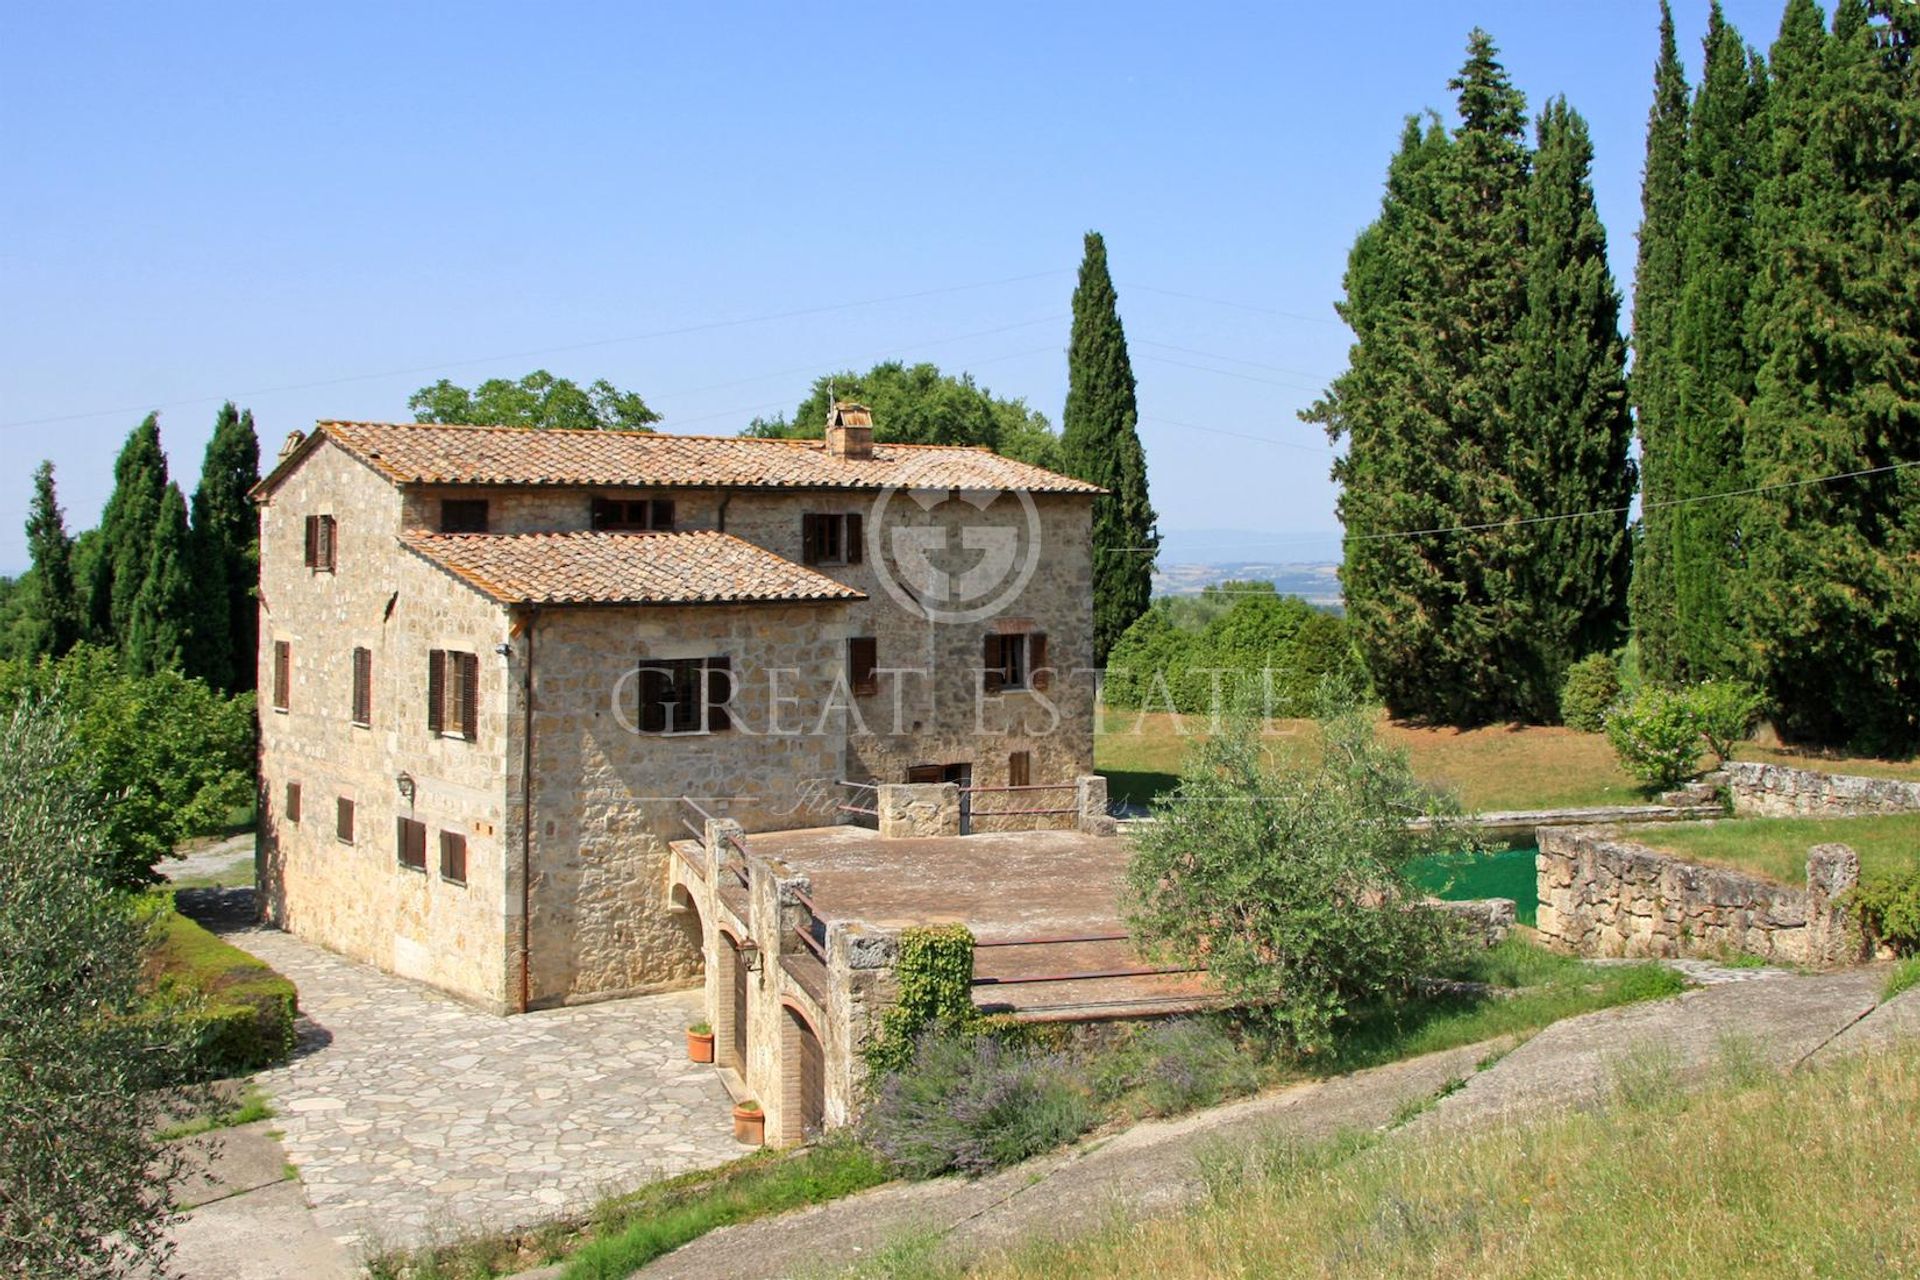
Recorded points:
(750, 1126)
(700, 1046)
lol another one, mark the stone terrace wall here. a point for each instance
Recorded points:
(1604, 896)
(1775, 791)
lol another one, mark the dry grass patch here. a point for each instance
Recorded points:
(1500, 767)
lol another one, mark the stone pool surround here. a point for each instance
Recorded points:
(1777, 791)
(1602, 894)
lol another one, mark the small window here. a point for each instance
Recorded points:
(320, 543)
(1020, 769)
(685, 695)
(463, 515)
(290, 809)
(453, 693)
(343, 820)
(863, 661)
(1016, 662)
(832, 539)
(282, 674)
(453, 857)
(363, 687)
(633, 515)
(410, 844)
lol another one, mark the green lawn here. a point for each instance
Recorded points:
(1777, 847)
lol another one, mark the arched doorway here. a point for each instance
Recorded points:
(806, 1065)
(735, 997)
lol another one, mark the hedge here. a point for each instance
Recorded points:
(240, 1012)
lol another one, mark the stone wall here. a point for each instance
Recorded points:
(356, 898)
(1602, 895)
(1775, 791)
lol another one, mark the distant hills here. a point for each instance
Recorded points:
(1304, 564)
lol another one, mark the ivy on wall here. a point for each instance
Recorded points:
(935, 973)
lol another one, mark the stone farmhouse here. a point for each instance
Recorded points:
(504, 671)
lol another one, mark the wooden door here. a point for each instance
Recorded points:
(813, 1075)
(739, 1009)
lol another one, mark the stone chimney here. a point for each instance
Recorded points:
(850, 431)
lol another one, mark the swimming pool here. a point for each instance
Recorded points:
(1508, 873)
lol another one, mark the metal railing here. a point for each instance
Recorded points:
(737, 868)
(865, 812)
(1078, 975)
(1019, 813)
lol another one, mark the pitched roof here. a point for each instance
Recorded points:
(701, 567)
(426, 453)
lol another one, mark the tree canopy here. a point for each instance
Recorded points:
(538, 400)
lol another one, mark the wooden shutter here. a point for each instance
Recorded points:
(1039, 675)
(453, 857)
(291, 810)
(437, 691)
(282, 674)
(810, 539)
(925, 773)
(662, 514)
(600, 514)
(719, 690)
(313, 541)
(410, 843)
(470, 695)
(655, 688)
(863, 655)
(993, 661)
(363, 686)
(323, 549)
(343, 819)
(856, 541)
(1020, 769)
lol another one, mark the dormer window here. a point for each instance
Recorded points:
(633, 515)
(463, 515)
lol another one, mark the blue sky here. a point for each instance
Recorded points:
(316, 210)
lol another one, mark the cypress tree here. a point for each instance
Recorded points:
(56, 603)
(226, 552)
(1656, 290)
(1435, 294)
(1572, 426)
(1835, 600)
(124, 549)
(160, 629)
(1714, 367)
(1100, 442)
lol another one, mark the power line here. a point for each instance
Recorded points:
(1215, 355)
(1237, 306)
(1228, 373)
(1238, 435)
(704, 327)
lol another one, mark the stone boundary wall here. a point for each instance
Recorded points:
(1601, 895)
(1776, 791)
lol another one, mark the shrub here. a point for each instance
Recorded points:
(1176, 1066)
(1657, 736)
(238, 1013)
(1727, 710)
(970, 1104)
(1888, 909)
(935, 973)
(1593, 685)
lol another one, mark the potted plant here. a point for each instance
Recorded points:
(700, 1042)
(749, 1123)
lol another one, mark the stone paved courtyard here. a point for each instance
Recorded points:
(408, 1114)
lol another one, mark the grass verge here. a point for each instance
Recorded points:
(1904, 977)
(1776, 848)
(1662, 1183)
(249, 1106)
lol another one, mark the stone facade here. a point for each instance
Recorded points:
(566, 810)
(1601, 895)
(1775, 791)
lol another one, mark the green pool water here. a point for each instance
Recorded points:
(1459, 877)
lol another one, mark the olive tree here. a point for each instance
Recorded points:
(1288, 883)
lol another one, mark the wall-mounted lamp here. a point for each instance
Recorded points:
(405, 783)
(750, 956)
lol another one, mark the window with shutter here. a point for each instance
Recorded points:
(633, 515)
(463, 515)
(437, 691)
(290, 809)
(831, 539)
(1039, 674)
(343, 820)
(282, 674)
(470, 696)
(1005, 660)
(685, 695)
(363, 687)
(320, 544)
(863, 658)
(453, 857)
(719, 694)
(1020, 769)
(410, 843)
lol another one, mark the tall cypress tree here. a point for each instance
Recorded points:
(1100, 442)
(56, 604)
(226, 552)
(1435, 295)
(1656, 292)
(124, 548)
(1572, 426)
(160, 627)
(1834, 595)
(1713, 364)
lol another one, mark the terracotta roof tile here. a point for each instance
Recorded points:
(701, 567)
(418, 453)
